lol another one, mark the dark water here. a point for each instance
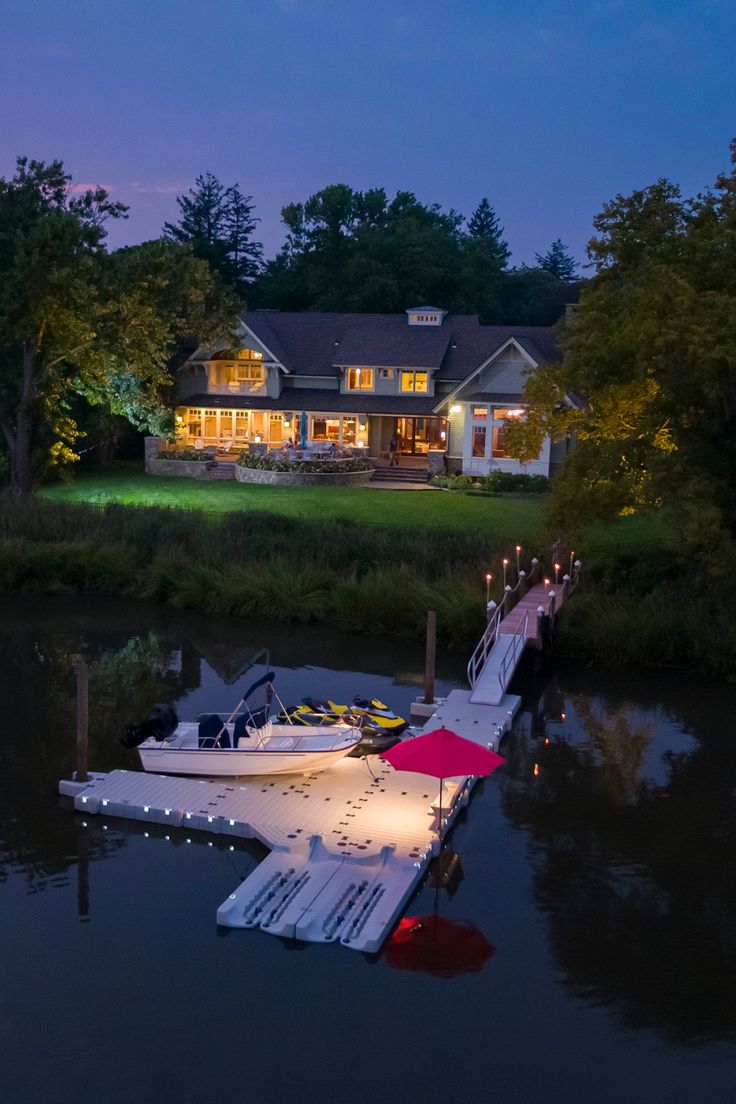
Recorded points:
(599, 863)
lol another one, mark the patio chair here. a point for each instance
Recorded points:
(226, 444)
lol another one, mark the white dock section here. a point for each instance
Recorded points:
(348, 845)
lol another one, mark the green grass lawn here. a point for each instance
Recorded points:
(515, 518)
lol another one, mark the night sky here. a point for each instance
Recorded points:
(548, 107)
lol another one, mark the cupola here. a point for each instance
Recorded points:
(425, 316)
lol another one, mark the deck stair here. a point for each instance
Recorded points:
(399, 475)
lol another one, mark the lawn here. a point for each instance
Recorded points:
(518, 519)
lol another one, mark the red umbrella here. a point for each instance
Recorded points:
(443, 754)
(438, 946)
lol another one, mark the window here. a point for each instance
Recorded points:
(502, 414)
(359, 379)
(241, 424)
(480, 412)
(387, 373)
(415, 381)
(325, 429)
(276, 429)
(478, 441)
(348, 431)
(210, 423)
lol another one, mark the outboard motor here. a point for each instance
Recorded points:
(160, 725)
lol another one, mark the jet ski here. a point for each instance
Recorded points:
(372, 715)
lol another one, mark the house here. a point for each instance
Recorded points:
(441, 384)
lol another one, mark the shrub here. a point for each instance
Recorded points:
(268, 463)
(453, 482)
(184, 454)
(515, 482)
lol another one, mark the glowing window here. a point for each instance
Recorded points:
(359, 379)
(415, 381)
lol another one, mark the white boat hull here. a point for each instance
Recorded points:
(286, 750)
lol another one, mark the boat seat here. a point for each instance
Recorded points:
(240, 732)
(209, 725)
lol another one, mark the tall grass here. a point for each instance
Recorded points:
(370, 579)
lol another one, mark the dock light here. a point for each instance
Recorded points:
(104, 801)
(489, 577)
(547, 582)
(167, 837)
(84, 800)
(505, 568)
(563, 716)
(232, 823)
(145, 808)
(518, 552)
(536, 770)
(209, 819)
(146, 835)
(557, 573)
(167, 812)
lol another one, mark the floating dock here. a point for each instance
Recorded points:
(348, 845)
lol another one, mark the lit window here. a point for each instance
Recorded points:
(249, 354)
(360, 379)
(480, 412)
(415, 381)
(479, 440)
(502, 414)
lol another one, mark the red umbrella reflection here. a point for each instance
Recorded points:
(438, 946)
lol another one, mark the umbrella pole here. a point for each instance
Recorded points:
(439, 823)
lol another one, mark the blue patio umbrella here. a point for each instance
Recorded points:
(303, 429)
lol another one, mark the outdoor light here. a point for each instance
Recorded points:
(257, 438)
(455, 408)
(287, 423)
(179, 419)
(443, 435)
(361, 444)
(361, 425)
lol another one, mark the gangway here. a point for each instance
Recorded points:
(511, 627)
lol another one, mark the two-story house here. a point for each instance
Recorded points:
(439, 383)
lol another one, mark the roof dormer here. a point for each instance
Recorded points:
(425, 316)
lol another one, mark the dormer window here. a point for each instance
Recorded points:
(425, 316)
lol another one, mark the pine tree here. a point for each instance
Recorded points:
(559, 261)
(218, 223)
(485, 230)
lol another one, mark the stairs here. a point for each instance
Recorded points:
(399, 475)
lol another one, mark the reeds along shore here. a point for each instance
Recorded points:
(370, 579)
(639, 607)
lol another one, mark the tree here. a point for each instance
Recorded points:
(486, 232)
(651, 351)
(559, 261)
(75, 320)
(218, 223)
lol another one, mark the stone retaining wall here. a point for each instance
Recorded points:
(301, 479)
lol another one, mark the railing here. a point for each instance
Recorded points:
(483, 648)
(514, 650)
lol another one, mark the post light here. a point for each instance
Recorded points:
(505, 568)
(518, 550)
(572, 558)
(488, 588)
(564, 716)
(547, 582)
(557, 573)
(536, 770)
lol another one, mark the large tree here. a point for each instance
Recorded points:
(559, 261)
(218, 223)
(651, 354)
(75, 320)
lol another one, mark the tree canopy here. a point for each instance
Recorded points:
(218, 223)
(77, 321)
(348, 250)
(651, 354)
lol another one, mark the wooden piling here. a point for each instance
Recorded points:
(430, 658)
(82, 672)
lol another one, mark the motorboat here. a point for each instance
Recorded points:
(247, 743)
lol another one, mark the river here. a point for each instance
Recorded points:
(598, 864)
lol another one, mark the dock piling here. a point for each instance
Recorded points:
(430, 658)
(81, 671)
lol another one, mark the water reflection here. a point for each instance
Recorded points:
(633, 835)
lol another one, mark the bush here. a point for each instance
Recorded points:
(501, 482)
(184, 454)
(453, 482)
(268, 463)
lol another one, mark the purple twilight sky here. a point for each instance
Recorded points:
(548, 107)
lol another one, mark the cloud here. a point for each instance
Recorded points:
(173, 188)
(79, 189)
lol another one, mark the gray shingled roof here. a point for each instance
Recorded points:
(315, 343)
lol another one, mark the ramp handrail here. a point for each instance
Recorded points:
(514, 650)
(483, 648)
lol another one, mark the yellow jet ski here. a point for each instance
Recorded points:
(372, 715)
